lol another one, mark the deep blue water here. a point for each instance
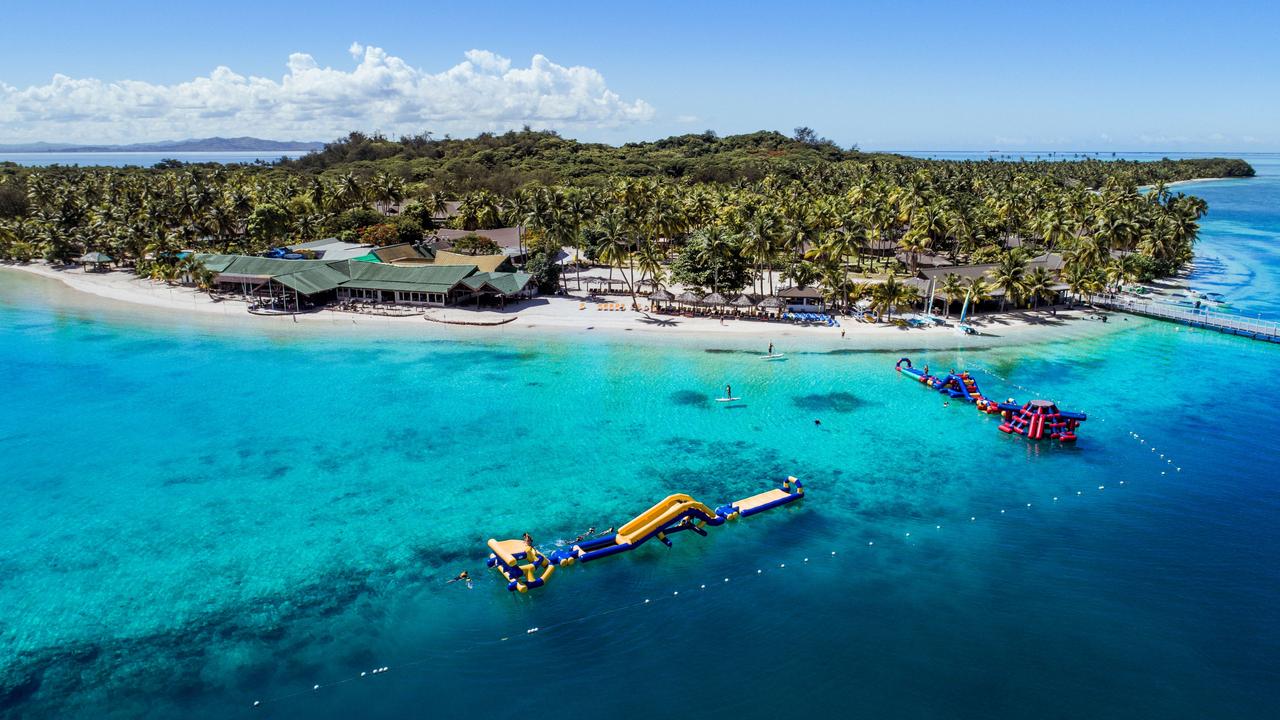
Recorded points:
(143, 159)
(199, 519)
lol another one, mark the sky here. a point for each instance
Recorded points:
(974, 75)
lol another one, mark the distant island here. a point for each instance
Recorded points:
(213, 144)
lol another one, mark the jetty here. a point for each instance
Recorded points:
(1203, 317)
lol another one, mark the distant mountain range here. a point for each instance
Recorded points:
(213, 144)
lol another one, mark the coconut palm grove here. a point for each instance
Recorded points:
(720, 214)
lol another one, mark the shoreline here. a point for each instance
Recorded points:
(132, 299)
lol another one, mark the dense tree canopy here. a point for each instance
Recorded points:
(715, 212)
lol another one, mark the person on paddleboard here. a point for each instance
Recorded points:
(728, 392)
(770, 348)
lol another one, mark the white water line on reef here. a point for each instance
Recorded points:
(1167, 466)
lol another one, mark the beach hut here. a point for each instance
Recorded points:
(94, 261)
(714, 298)
(689, 297)
(660, 296)
(743, 303)
(773, 302)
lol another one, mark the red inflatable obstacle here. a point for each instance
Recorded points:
(1040, 419)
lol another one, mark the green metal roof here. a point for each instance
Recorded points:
(507, 283)
(216, 263)
(424, 278)
(310, 277)
(313, 280)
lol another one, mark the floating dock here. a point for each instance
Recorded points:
(525, 567)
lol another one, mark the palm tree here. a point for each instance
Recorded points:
(977, 291)
(1038, 285)
(1010, 276)
(891, 294)
(952, 288)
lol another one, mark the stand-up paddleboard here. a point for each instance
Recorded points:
(727, 399)
(773, 356)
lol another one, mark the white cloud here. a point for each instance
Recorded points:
(382, 92)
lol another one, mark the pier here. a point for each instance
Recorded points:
(1204, 317)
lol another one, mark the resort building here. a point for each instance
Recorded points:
(298, 284)
(508, 239)
(932, 277)
(330, 249)
(411, 255)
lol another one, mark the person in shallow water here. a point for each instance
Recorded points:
(528, 539)
(462, 577)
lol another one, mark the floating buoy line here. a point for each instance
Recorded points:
(814, 557)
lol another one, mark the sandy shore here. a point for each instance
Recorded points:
(129, 297)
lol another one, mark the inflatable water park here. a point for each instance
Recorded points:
(1035, 420)
(525, 567)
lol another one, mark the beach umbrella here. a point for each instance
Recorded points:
(773, 301)
(661, 295)
(94, 257)
(689, 298)
(714, 298)
(743, 301)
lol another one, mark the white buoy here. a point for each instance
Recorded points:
(677, 592)
(1028, 504)
(362, 674)
(1078, 492)
(703, 587)
(782, 565)
(1178, 469)
(971, 518)
(726, 579)
(759, 571)
(1100, 487)
(1055, 498)
(646, 601)
(870, 542)
(908, 534)
(937, 527)
(1001, 512)
(1121, 482)
(1161, 472)
(256, 703)
(833, 552)
(806, 559)
(315, 687)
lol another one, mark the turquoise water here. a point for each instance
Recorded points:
(198, 519)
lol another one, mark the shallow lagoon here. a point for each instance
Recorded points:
(197, 520)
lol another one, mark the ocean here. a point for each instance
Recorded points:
(200, 519)
(142, 159)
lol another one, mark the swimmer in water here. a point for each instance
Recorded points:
(462, 577)
(817, 421)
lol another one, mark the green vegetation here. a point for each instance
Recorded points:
(716, 213)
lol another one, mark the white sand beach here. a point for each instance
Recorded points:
(126, 295)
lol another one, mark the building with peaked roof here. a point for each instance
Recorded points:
(331, 249)
(311, 283)
(509, 239)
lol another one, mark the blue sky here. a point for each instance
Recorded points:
(905, 75)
